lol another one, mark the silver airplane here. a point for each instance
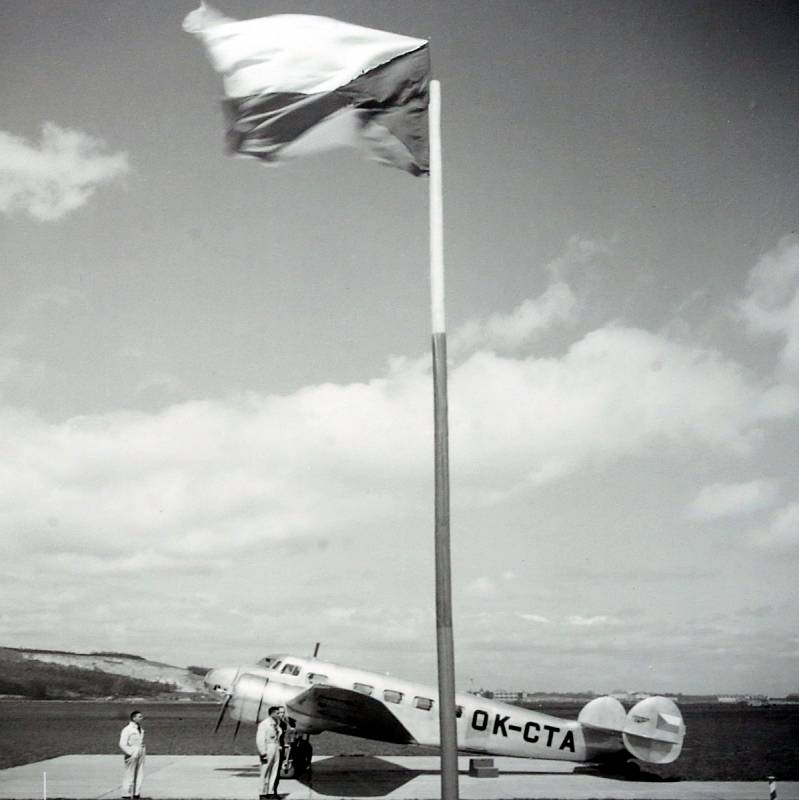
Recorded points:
(320, 696)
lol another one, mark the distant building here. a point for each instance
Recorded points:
(729, 698)
(505, 696)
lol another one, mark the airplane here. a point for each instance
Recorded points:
(321, 696)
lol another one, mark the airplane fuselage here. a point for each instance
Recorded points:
(377, 706)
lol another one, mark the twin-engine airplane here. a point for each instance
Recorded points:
(320, 696)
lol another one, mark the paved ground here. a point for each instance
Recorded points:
(85, 777)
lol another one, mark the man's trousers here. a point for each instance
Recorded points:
(270, 768)
(133, 776)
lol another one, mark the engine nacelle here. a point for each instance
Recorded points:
(253, 695)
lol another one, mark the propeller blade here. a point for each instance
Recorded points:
(261, 701)
(222, 712)
(235, 733)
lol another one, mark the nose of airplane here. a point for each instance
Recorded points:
(221, 679)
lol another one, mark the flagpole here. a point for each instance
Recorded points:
(445, 649)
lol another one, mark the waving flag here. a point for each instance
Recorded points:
(298, 84)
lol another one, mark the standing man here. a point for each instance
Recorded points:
(267, 741)
(131, 743)
(283, 744)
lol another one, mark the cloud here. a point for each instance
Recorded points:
(557, 306)
(535, 618)
(61, 174)
(771, 305)
(731, 499)
(593, 622)
(212, 493)
(618, 391)
(782, 532)
(252, 469)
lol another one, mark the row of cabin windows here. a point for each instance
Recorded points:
(393, 696)
(389, 695)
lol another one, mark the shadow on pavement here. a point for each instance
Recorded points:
(368, 776)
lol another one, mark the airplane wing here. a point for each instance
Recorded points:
(350, 712)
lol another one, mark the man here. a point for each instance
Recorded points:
(267, 741)
(131, 742)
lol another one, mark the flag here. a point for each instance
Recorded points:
(297, 84)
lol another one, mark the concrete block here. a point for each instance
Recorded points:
(482, 768)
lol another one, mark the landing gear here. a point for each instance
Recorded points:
(297, 755)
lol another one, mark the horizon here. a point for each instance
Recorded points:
(628, 693)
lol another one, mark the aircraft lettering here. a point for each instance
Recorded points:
(568, 741)
(499, 725)
(530, 733)
(527, 728)
(480, 720)
(552, 731)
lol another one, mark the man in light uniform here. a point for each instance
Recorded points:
(131, 743)
(267, 741)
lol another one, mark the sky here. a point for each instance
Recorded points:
(215, 377)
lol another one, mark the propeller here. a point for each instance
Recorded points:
(260, 702)
(222, 712)
(228, 698)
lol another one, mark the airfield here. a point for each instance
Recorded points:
(80, 777)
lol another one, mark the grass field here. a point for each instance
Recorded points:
(723, 742)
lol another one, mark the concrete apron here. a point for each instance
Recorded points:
(81, 777)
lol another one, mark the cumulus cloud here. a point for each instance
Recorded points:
(616, 392)
(557, 306)
(254, 469)
(57, 176)
(771, 305)
(197, 489)
(731, 499)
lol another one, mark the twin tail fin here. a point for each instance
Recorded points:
(652, 731)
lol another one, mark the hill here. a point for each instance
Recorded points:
(56, 674)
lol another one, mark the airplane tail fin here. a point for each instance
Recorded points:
(652, 731)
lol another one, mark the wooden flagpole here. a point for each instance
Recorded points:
(446, 658)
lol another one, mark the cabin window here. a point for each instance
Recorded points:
(425, 703)
(290, 669)
(458, 711)
(390, 696)
(363, 688)
(317, 677)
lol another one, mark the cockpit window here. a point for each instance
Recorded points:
(290, 669)
(276, 665)
(266, 661)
